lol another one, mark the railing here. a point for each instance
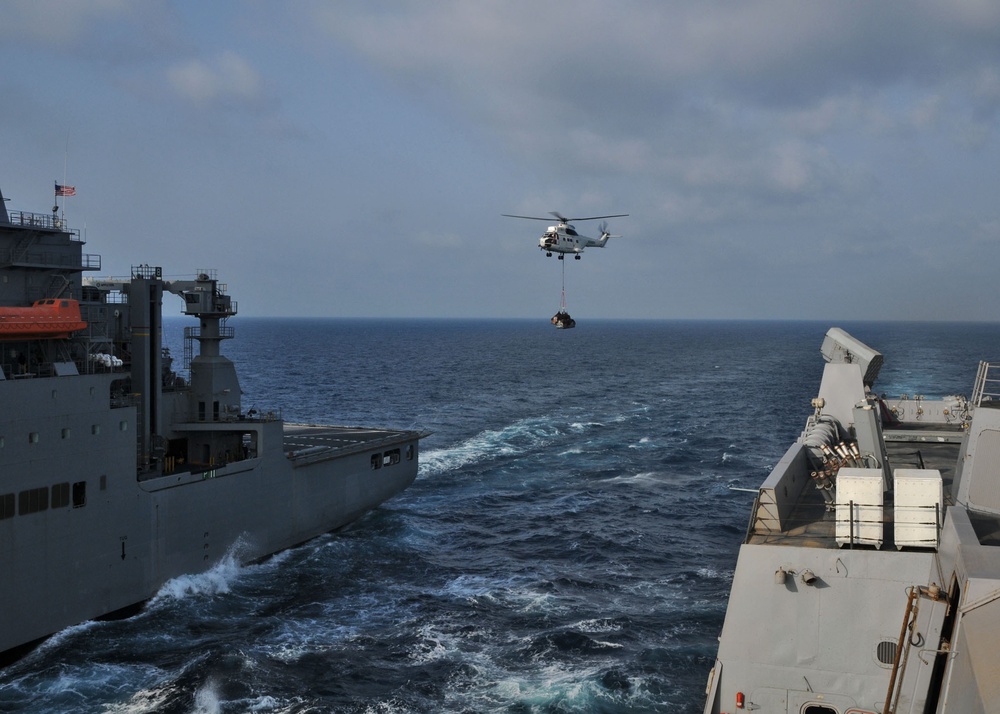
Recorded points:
(987, 387)
(42, 221)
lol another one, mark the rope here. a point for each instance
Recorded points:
(562, 303)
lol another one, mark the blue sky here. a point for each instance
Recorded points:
(778, 159)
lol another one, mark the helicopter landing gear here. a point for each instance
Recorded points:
(561, 256)
(548, 255)
(577, 257)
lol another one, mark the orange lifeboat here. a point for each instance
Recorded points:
(48, 319)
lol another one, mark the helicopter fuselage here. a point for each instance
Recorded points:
(564, 239)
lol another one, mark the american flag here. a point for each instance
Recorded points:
(65, 190)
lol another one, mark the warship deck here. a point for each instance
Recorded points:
(811, 524)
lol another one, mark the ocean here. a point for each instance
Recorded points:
(568, 545)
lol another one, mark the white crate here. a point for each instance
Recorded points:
(859, 507)
(918, 494)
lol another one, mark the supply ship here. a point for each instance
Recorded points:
(117, 473)
(869, 578)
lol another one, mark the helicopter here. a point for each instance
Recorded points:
(563, 238)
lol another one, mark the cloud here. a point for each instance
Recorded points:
(58, 21)
(227, 79)
(129, 30)
(638, 88)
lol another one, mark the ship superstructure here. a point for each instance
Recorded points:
(117, 474)
(869, 578)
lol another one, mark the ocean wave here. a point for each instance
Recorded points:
(218, 579)
(214, 581)
(512, 440)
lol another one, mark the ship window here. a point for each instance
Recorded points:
(409, 452)
(376, 461)
(391, 457)
(201, 411)
(79, 494)
(65, 433)
(104, 482)
(33, 437)
(818, 709)
(95, 429)
(7, 506)
(33, 500)
(60, 495)
(1, 442)
(123, 425)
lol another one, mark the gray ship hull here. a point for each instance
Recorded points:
(869, 579)
(118, 539)
(117, 474)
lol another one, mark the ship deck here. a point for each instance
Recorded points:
(810, 524)
(309, 441)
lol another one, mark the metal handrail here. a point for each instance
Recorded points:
(987, 375)
(44, 221)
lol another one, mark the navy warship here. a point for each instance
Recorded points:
(117, 473)
(869, 578)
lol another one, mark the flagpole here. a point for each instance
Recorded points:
(65, 174)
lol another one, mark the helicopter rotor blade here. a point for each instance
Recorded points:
(563, 218)
(594, 218)
(530, 218)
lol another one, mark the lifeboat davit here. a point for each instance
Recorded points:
(52, 318)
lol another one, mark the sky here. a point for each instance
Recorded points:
(778, 159)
